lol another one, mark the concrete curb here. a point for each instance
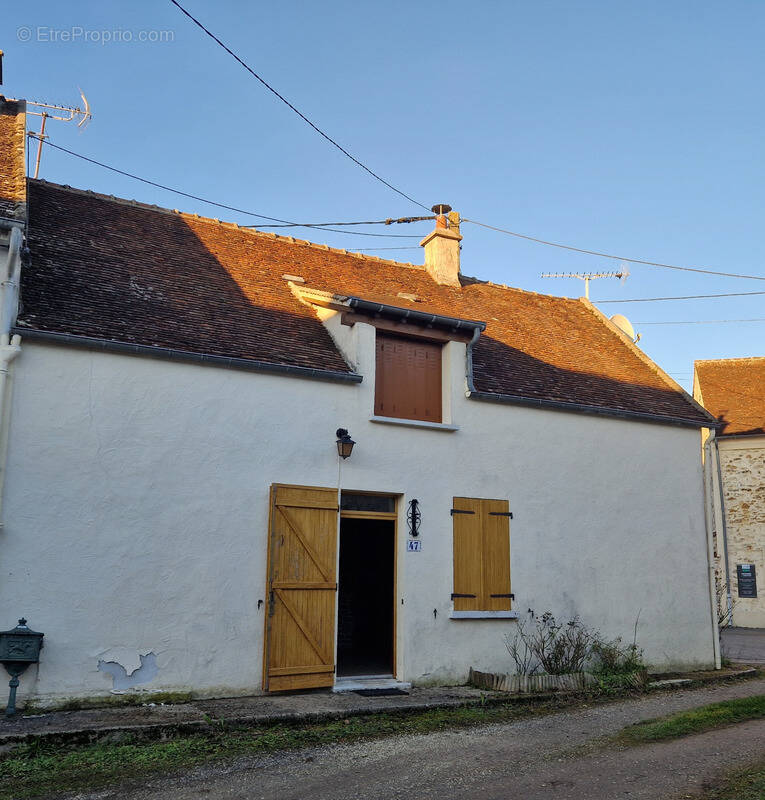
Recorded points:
(199, 721)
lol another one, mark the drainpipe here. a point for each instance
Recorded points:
(10, 347)
(719, 502)
(469, 355)
(709, 517)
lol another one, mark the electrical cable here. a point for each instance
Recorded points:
(388, 221)
(289, 105)
(613, 257)
(49, 143)
(680, 297)
(701, 321)
(373, 249)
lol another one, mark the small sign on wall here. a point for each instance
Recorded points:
(746, 576)
(413, 546)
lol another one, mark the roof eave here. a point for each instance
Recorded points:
(231, 362)
(581, 408)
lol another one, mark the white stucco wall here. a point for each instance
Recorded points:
(136, 509)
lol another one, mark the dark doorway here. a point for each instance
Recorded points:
(365, 597)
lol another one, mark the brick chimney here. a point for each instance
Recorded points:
(442, 247)
(13, 183)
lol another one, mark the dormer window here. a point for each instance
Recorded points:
(408, 378)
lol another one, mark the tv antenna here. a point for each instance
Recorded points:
(623, 273)
(62, 114)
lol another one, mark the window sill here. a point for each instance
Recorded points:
(483, 615)
(415, 423)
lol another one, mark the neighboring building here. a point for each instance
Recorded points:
(176, 515)
(733, 391)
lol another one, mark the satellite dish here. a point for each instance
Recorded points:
(624, 325)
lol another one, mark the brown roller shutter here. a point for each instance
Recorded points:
(408, 378)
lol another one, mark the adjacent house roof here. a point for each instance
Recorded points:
(12, 167)
(111, 269)
(733, 390)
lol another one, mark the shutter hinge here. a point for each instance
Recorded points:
(458, 594)
(501, 514)
(511, 595)
(460, 511)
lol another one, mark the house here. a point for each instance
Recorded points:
(176, 514)
(733, 391)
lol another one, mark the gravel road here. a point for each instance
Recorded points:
(555, 757)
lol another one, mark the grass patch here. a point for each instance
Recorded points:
(37, 769)
(697, 720)
(741, 784)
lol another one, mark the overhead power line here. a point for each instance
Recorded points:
(374, 249)
(289, 105)
(614, 257)
(388, 221)
(49, 143)
(680, 297)
(701, 321)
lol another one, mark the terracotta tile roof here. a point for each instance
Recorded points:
(12, 167)
(108, 268)
(733, 390)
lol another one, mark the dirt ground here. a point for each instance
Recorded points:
(555, 757)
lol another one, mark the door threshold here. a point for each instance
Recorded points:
(354, 683)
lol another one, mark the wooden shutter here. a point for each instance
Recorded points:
(468, 546)
(300, 613)
(481, 554)
(496, 555)
(408, 378)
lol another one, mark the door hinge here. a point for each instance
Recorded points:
(501, 514)
(510, 595)
(458, 594)
(461, 511)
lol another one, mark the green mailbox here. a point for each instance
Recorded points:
(19, 647)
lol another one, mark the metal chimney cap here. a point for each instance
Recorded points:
(441, 208)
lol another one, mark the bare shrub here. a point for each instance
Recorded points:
(549, 646)
(519, 647)
(557, 648)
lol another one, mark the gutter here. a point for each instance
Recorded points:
(581, 408)
(250, 365)
(731, 436)
(415, 317)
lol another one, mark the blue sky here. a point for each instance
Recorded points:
(630, 128)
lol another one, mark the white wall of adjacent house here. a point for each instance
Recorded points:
(742, 469)
(137, 499)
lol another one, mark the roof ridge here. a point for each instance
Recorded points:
(636, 351)
(223, 223)
(525, 291)
(718, 360)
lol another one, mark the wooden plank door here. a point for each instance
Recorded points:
(302, 585)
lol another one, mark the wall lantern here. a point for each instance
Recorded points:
(344, 443)
(19, 647)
